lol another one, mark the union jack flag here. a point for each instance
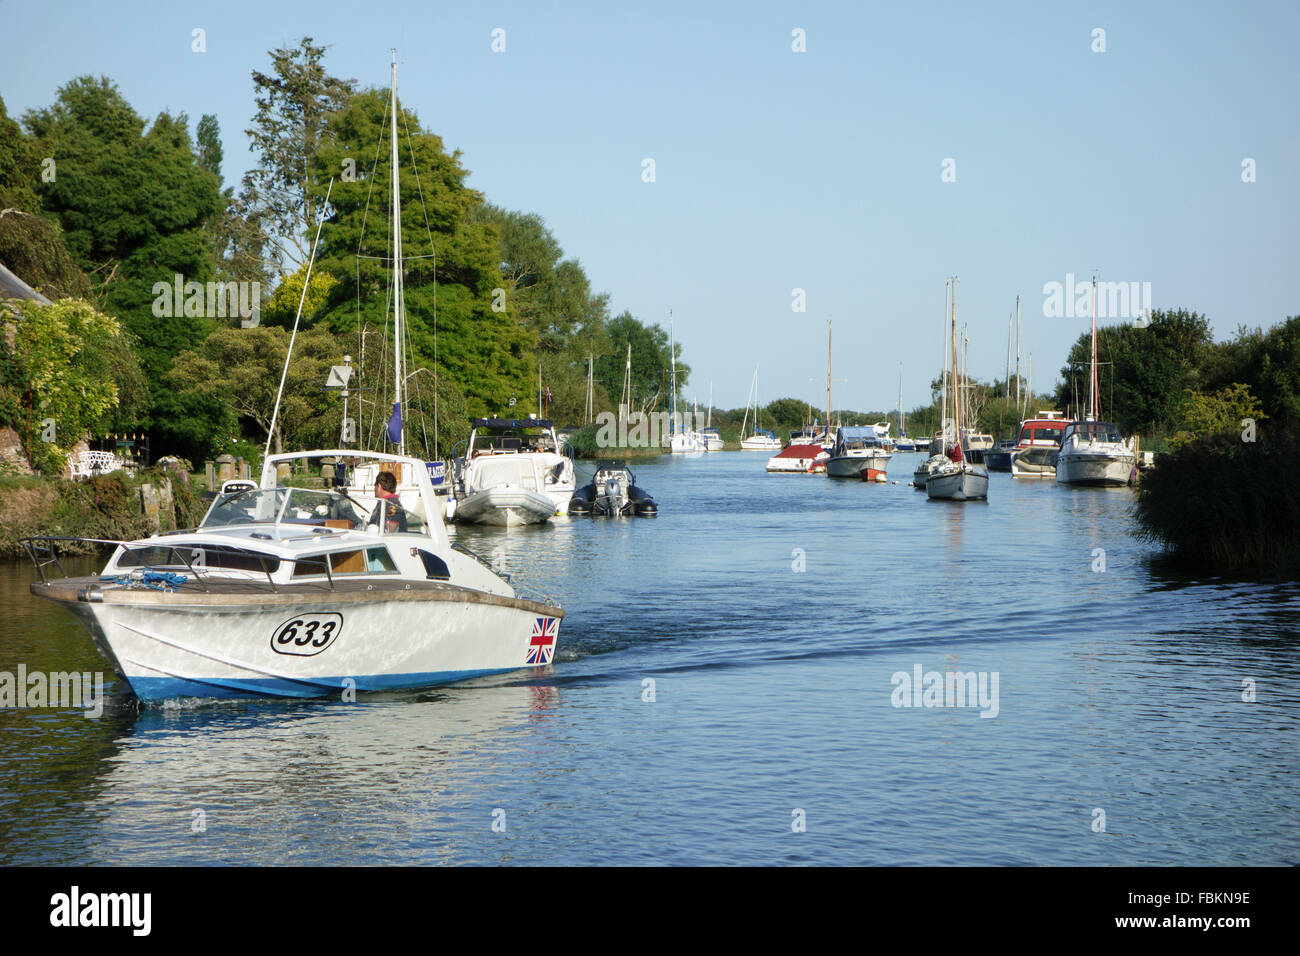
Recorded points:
(541, 648)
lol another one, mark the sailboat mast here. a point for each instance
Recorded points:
(1018, 405)
(1093, 398)
(828, 377)
(900, 400)
(943, 374)
(672, 363)
(398, 309)
(956, 381)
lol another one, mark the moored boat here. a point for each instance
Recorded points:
(799, 459)
(612, 492)
(513, 473)
(855, 448)
(1037, 446)
(1094, 452)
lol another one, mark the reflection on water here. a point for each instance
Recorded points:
(768, 613)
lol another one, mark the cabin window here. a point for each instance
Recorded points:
(369, 561)
(198, 557)
(434, 566)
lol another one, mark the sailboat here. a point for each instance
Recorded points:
(351, 585)
(761, 439)
(681, 441)
(710, 435)
(902, 442)
(1094, 452)
(956, 478)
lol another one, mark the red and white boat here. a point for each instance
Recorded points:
(1035, 453)
(800, 460)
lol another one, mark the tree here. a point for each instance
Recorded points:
(1217, 412)
(651, 367)
(1147, 372)
(136, 208)
(19, 166)
(452, 263)
(294, 103)
(240, 369)
(75, 365)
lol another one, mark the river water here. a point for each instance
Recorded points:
(729, 690)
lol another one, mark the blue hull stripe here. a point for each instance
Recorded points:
(163, 688)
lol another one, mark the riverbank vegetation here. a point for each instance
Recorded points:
(512, 326)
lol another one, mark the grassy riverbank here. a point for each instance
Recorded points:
(116, 507)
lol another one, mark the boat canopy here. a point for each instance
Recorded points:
(764, 432)
(801, 451)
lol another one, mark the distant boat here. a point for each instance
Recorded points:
(1094, 452)
(712, 438)
(957, 479)
(680, 441)
(761, 439)
(799, 459)
(998, 458)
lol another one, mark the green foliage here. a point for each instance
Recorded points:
(484, 354)
(32, 248)
(283, 305)
(283, 192)
(19, 169)
(1224, 505)
(1220, 411)
(240, 369)
(1150, 370)
(74, 364)
(651, 372)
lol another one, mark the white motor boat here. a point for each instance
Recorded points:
(1095, 453)
(711, 438)
(857, 447)
(927, 467)
(295, 592)
(513, 473)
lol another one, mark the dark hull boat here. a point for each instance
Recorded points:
(612, 492)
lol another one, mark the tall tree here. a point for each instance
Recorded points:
(136, 209)
(294, 103)
(452, 264)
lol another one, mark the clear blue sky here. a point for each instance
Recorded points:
(818, 170)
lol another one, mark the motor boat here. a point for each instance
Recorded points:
(513, 473)
(304, 592)
(1037, 446)
(1095, 453)
(612, 492)
(799, 459)
(998, 458)
(711, 438)
(857, 447)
